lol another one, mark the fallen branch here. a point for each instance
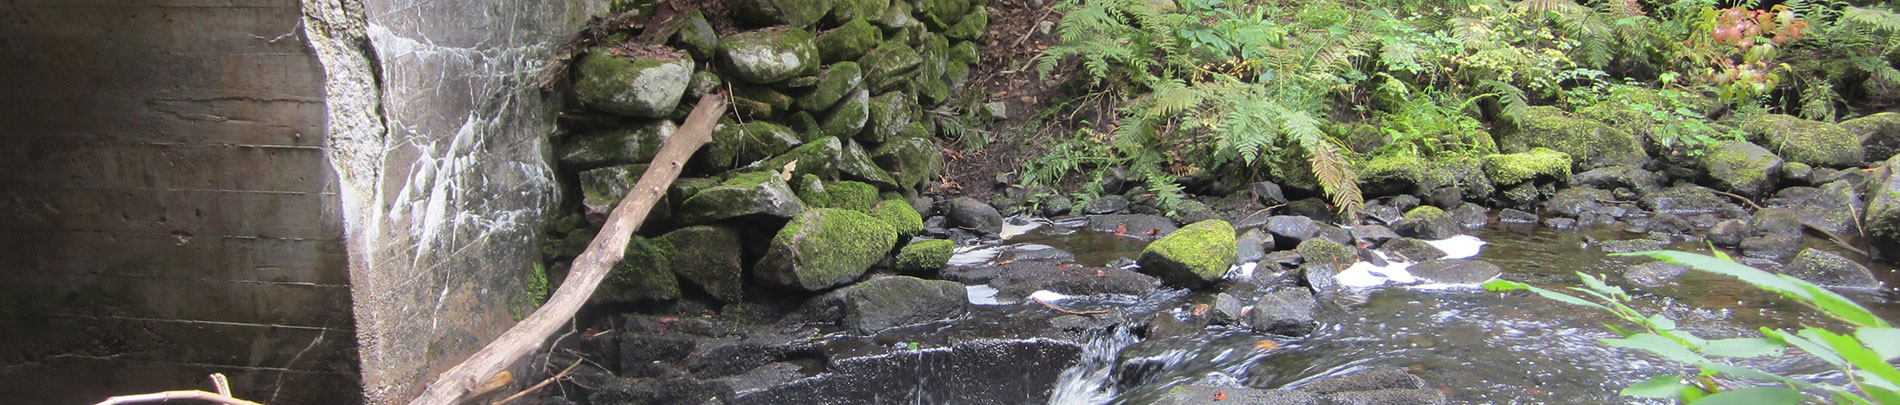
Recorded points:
(1066, 311)
(544, 383)
(223, 396)
(1751, 203)
(588, 269)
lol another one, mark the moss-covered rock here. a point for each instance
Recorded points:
(703, 83)
(1815, 143)
(890, 65)
(891, 302)
(734, 145)
(769, 55)
(640, 276)
(1829, 269)
(940, 15)
(1591, 144)
(925, 257)
(1326, 253)
(1428, 222)
(973, 25)
(1194, 256)
(845, 119)
(696, 36)
(833, 85)
(1742, 168)
(706, 256)
(846, 11)
(1393, 174)
(1536, 165)
(848, 195)
(900, 216)
(765, 13)
(832, 159)
(891, 113)
(824, 248)
(896, 17)
(849, 41)
(760, 102)
(603, 188)
(1879, 135)
(627, 144)
(642, 87)
(1882, 219)
(752, 194)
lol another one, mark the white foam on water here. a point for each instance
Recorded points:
(981, 295)
(1243, 271)
(1049, 296)
(1458, 247)
(1016, 226)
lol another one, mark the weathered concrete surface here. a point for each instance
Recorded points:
(444, 199)
(166, 207)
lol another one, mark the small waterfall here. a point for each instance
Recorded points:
(1092, 380)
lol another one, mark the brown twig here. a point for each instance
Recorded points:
(192, 395)
(1033, 26)
(1067, 311)
(544, 383)
(1751, 203)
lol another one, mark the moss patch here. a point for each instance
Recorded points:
(824, 248)
(1798, 140)
(1537, 164)
(1194, 256)
(848, 195)
(925, 256)
(1591, 144)
(901, 217)
(1393, 174)
(1328, 253)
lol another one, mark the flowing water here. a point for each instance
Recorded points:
(1473, 345)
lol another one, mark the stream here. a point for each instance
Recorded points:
(1471, 345)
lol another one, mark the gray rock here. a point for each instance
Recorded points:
(833, 85)
(1576, 201)
(1287, 312)
(769, 55)
(832, 159)
(1514, 216)
(910, 161)
(1383, 214)
(1828, 269)
(1429, 223)
(1267, 193)
(1134, 226)
(891, 115)
(1472, 216)
(1289, 230)
(735, 145)
(1560, 223)
(848, 116)
(1226, 310)
(1879, 135)
(623, 145)
(1728, 233)
(1197, 255)
(849, 41)
(642, 87)
(1614, 177)
(765, 13)
(1741, 168)
(969, 213)
(1387, 397)
(1413, 250)
(1369, 380)
(697, 37)
(1882, 217)
(1653, 274)
(603, 188)
(1018, 279)
(890, 65)
(1200, 394)
(751, 194)
(1253, 246)
(1632, 245)
(1684, 200)
(890, 302)
(1105, 205)
(1372, 236)
(1774, 247)
(1470, 272)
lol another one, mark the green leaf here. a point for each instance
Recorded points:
(1662, 322)
(1744, 347)
(1658, 344)
(1754, 395)
(1885, 341)
(1501, 285)
(1811, 346)
(1837, 305)
(1860, 356)
(1662, 386)
(1883, 395)
(1752, 374)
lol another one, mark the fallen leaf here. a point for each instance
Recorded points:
(1100, 273)
(1265, 344)
(1152, 232)
(1220, 395)
(1200, 309)
(786, 174)
(1121, 229)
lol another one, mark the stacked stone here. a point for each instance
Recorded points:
(807, 182)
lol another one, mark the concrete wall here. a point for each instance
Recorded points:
(166, 205)
(446, 196)
(327, 200)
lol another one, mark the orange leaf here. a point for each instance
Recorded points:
(1121, 229)
(1152, 232)
(1265, 344)
(1220, 395)
(1005, 262)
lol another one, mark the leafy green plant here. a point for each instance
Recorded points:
(1862, 355)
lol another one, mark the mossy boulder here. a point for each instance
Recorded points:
(940, 15)
(973, 25)
(834, 84)
(896, 17)
(890, 65)
(891, 113)
(626, 144)
(703, 83)
(1428, 222)
(1393, 174)
(965, 52)
(761, 194)
(765, 13)
(900, 216)
(1535, 165)
(848, 195)
(1882, 219)
(824, 248)
(845, 119)
(1828, 269)
(1590, 143)
(1815, 143)
(1879, 135)
(925, 257)
(843, 11)
(705, 256)
(769, 55)
(603, 188)
(734, 144)
(1194, 256)
(1327, 254)
(849, 41)
(1742, 168)
(648, 86)
(832, 159)
(891, 302)
(910, 158)
(640, 276)
(760, 102)
(697, 37)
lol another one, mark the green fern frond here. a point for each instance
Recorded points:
(1173, 97)
(1879, 68)
(1817, 101)
(1511, 99)
(1878, 19)
(1335, 174)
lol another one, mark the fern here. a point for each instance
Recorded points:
(1511, 99)
(1817, 101)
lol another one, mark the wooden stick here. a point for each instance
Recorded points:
(1066, 311)
(544, 383)
(193, 395)
(1751, 203)
(606, 250)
